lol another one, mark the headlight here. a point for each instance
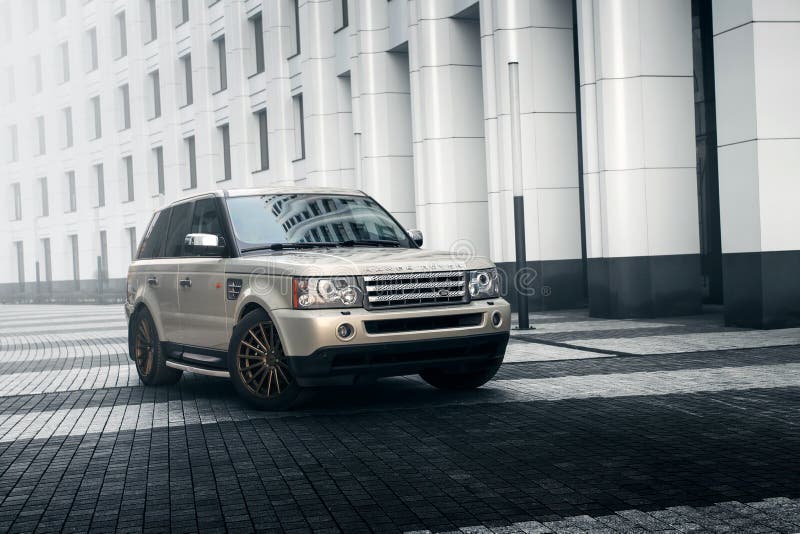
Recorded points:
(326, 292)
(484, 284)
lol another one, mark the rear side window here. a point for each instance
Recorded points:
(178, 228)
(154, 238)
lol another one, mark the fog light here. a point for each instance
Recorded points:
(345, 331)
(497, 319)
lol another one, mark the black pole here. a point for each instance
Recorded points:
(519, 244)
(582, 207)
(519, 203)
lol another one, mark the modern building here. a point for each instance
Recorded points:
(660, 139)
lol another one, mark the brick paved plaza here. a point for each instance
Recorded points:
(591, 425)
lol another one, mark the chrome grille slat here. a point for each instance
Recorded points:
(415, 289)
(408, 296)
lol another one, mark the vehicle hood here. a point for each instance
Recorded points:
(354, 261)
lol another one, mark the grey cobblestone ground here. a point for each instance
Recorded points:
(566, 439)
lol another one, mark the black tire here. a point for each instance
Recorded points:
(455, 381)
(257, 364)
(147, 353)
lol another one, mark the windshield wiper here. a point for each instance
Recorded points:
(282, 246)
(370, 242)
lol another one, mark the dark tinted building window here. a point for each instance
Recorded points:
(178, 228)
(154, 238)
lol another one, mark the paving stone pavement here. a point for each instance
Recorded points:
(565, 439)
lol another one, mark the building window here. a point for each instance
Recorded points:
(263, 143)
(122, 36)
(257, 26)
(68, 138)
(33, 15)
(158, 168)
(48, 264)
(127, 164)
(72, 200)
(225, 147)
(155, 94)
(16, 195)
(182, 14)
(6, 29)
(37, 74)
(100, 181)
(103, 274)
(342, 16)
(41, 145)
(59, 9)
(95, 120)
(124, 108)
(222, 63)
(63, 57)
(299, 127)
(188, 91)
(20, 264)
(90, 40)
(191, 161)
(11, 86)
(132, 241)
(294, 23)
(76, 271)
(13, 143)
(151, 29)
(44, 210)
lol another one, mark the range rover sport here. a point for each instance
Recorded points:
(285, 288)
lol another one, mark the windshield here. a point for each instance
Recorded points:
(263, 220)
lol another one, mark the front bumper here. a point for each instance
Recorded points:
(345, 365)
(304, 332)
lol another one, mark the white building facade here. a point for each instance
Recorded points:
(660, 138)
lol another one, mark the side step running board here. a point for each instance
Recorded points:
(219, 373)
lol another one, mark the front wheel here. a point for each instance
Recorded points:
(258, 366)
(460, 381)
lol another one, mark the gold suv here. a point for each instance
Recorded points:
(284, 288)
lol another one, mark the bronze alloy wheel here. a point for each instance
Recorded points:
(261, 363)
(143, 348)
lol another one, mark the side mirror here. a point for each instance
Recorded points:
(416, 237)
(204, 244)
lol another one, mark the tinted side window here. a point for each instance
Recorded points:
(154, 238)
(178, 228)
(206, 219)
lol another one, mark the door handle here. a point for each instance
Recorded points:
(186, 282)
(152, 281)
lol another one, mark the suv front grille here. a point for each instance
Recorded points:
(414, 289)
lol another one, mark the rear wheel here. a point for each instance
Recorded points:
(455, 381)
(146, 352)
(258, 366)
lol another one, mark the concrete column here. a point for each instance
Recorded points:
(539, 37)
(326, 100)
(639, 157)
(758, 127)
(384, 116)
(448, 128)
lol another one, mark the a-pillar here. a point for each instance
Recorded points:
(758, 128)
(640, 185)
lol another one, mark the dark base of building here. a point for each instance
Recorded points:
(644, 286)
(762, 289)
(64, 292)
(550, 285)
